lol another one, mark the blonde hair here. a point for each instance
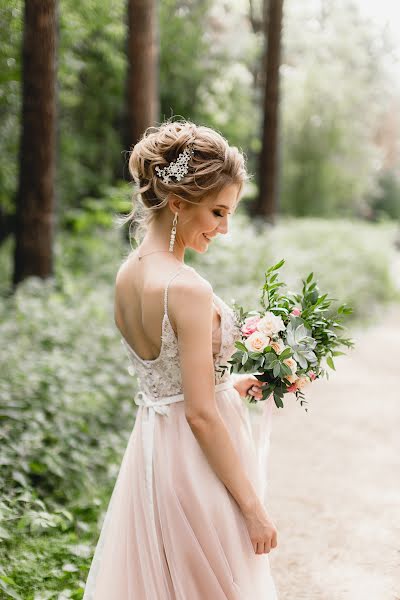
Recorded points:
(213, 165)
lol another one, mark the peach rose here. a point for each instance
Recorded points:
(296, 312)
(302, 381)
(278, 346)
(311, 375)
(292, 378)
(250, 325)
(292, 364)
(257, 341)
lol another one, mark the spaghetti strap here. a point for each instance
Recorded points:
(166, 289)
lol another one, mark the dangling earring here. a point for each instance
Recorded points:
(173, 233)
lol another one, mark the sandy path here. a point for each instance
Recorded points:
(335, 478)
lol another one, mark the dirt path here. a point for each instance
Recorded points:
(335, 478)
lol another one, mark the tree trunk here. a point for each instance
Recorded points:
(267, 201)
(34, 219)
(142, 80)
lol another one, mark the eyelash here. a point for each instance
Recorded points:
(217, 213)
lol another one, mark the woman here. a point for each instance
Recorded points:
(186, 520)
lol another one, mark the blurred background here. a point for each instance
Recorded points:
(310, 92)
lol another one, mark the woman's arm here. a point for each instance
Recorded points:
(191, 305)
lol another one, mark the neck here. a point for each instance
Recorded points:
(158, 235)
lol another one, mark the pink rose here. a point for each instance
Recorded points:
(312, 375)
(296, 312)
(292, 388)
(250, 325)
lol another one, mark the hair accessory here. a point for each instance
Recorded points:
(177, 168)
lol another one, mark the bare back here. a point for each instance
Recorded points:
(139, 300)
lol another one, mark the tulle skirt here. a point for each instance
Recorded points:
(189, 541)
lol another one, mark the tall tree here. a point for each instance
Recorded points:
(34, 222)
(266, 203)
(142, 81)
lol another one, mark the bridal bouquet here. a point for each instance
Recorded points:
(289, 343)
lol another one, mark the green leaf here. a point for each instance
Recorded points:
(278, 401)
(285, 370)
(285, 354)
(330, 363)
(309, 278)
(241, 346)
(276, 267)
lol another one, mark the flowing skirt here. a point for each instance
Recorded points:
(195, 544)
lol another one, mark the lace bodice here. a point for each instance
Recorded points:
(161, 376)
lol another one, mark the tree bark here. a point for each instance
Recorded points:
(143, 64)
(267, 201)
(34, 219)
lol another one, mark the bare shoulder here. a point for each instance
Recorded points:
(189, 294)
(123, 271)
(191, 285)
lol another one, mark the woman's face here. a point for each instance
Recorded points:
(199, 223)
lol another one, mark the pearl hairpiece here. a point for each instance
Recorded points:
(177, 168)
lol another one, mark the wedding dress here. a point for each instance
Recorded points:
(172, 530)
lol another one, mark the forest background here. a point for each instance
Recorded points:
(66, 406)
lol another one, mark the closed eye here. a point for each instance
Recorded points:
(217, 213)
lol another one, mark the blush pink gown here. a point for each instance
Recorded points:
(172, 530)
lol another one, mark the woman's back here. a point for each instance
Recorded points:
(139, 307)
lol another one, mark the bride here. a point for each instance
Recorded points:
(187, 519)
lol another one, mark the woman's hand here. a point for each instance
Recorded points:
(248, 385)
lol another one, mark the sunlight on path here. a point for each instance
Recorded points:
(335, 478)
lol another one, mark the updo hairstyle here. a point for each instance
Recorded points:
(213, 165)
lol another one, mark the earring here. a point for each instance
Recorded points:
(173, 233)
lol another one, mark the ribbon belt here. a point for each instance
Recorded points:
(160, 406)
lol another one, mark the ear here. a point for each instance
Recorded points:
(175, 203)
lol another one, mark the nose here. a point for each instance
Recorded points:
(223, 225)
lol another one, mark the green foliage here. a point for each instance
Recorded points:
(66, 402)
(10, 102)
(335, 90)
(385, 201)
(354, 260)
(183, 49)
(92, 67)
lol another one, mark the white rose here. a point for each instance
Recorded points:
(292, 364)
(257, 341)
(270, 324)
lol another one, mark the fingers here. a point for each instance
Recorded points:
(262, 547)
(256, 388)
(267, 548)
(274, 541)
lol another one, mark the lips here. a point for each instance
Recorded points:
(207, 238)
